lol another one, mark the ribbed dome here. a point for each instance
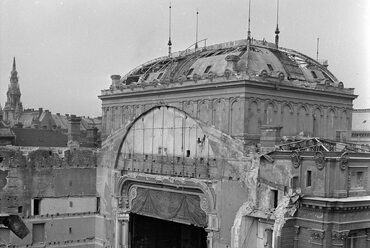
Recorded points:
(259, 61)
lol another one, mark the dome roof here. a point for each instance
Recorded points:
(259, 61)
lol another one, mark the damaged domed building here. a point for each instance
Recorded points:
(239, 144)
(196, 142)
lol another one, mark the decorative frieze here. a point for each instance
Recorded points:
(317, 234)
(339, 235)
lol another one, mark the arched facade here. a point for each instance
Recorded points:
(164, 157)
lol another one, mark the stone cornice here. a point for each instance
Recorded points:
(191, 87)
(336, 204)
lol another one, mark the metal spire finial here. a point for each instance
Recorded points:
(249, 23)
(169, 31)
(196, 32)
(317, 49)
(277, 31)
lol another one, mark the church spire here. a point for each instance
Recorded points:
(13, 107)
(14, 73)
(14, 66)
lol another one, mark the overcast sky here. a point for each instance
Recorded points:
(66, 50)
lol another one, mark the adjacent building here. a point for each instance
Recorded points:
(39, 127)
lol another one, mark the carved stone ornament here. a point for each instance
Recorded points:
(211, 76)
(319, 160)
(132, 194)
(227, 73)
(317, 234)
(296, 159)
(344, 158)
(204, 203)
(339, 235)
(297, 229)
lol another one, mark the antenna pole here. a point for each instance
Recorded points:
(249, 23)
(317, 49)
(196, 31)
(277, 31)
(169, 31)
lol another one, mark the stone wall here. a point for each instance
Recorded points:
(55, 191)
(243, 116)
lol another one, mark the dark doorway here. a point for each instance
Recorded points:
(150, 232)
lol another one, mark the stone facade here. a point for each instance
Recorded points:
(238, 102)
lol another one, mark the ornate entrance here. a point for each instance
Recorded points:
(164, 212)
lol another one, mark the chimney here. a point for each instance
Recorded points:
(270, 136)
(74, 131)
(115, 80)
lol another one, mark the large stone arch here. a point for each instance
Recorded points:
(157, 189)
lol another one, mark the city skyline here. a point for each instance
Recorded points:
(67, 50)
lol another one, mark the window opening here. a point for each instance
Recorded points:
(274, 198)
(314, 74)
(190, 72)
(309, 178)
(160, 75)
(98, 204)
(36, 206)
(146, 76)
(270, 67)
(207, 69)
(187, 153)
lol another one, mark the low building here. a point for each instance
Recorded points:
(361, 126)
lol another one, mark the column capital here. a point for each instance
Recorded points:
(123, 216)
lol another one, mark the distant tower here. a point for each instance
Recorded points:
(1, 113)
(13, 107)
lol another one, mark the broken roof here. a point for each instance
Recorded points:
(260, 61)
